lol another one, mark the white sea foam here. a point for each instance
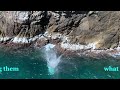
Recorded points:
(15, 40)
(51, 58)
(1, 39)
(33, 39)
(65, 44)
(25, 39)
(77, 46)
(4, 38)
(49, 46)
(20, 40)
(118, 48)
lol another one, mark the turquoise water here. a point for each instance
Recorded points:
(32, 65)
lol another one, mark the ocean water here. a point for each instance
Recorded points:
(32, 65)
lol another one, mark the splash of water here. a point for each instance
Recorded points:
(51, 58)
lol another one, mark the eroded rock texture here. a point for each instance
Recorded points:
(76, 29)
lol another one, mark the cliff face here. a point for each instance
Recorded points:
(73, 30)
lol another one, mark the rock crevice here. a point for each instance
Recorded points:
(74, 30)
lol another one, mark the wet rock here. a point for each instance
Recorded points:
(92, 29)
(42, 41)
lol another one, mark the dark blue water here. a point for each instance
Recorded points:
(32, 65)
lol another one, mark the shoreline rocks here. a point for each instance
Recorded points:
(73, 32)
(69, 50)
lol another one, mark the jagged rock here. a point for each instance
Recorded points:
(41, 42)
(77, 29)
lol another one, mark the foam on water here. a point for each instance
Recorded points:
(51, 58)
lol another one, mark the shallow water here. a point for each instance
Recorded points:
(32, 65)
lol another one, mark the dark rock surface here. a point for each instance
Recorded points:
(102, 28)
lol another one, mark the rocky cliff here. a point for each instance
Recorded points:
(72, 30)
